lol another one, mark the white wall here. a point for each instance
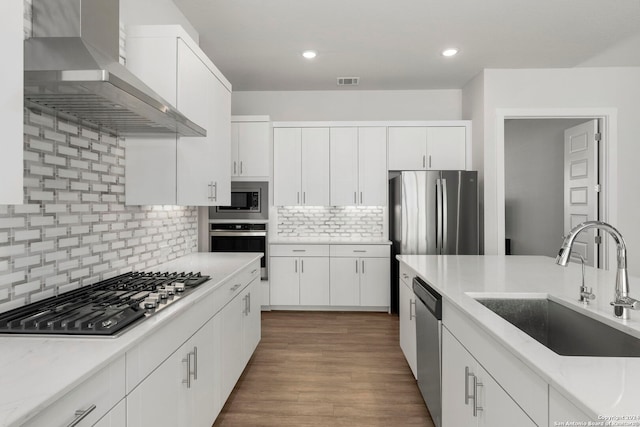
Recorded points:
(156, 12)
(615, 89)
(534, 184)
(350, 105)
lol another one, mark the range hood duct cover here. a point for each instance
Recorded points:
(72, 70)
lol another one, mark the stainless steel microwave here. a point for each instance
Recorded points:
(249, 200)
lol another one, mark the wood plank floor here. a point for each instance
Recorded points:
(326, 369)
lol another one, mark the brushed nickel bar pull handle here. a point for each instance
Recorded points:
(361, 197)
(296, 267)
(355, 197)
(301, 266)
(235, 170)
(356, 266)
(467, 374)
(412, 313)
(195, 362)
(81, 415)
(249, 303)
(187, 360)
(476, 408)
(240, 167)
(424, 161)
(362, 266)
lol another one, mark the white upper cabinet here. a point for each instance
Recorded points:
(11, 103)
(427, 147)
(358, 166)
(191, 171)
(301, 166)
(250, 147)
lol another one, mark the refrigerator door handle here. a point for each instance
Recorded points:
(445, 215)
(438, 216)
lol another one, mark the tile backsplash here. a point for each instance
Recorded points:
(339, 222)
(74, 228)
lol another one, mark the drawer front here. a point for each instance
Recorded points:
(406, 275)
(360, 251)
(299, 250)
(101, 392)
(232, 287)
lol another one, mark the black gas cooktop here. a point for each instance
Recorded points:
(104, 308)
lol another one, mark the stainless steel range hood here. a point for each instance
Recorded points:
(72, 70)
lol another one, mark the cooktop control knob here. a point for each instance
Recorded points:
(179, 286)
(171, 289)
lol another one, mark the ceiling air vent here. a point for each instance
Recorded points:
(348, 81)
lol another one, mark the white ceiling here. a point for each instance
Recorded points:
(396, 44)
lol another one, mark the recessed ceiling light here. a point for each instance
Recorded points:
(449, 52)
(309, 54)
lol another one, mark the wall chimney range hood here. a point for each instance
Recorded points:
(72, 70)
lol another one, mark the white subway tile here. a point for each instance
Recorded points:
(23, 235)
(90, 134)
(44, 246)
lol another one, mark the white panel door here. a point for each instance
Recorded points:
(446, 148)
(314, 281)
(344, 167)
(11, 103)
(203, 395)
(580, 179)
(315, 166)
(164, 388)
(457, 410)
(229, 329)
(498, 409)
(374, 282)
(253, 155)
(407, 148)
(407, 314)
(287, 166)
(372, 166)
(284, 280)
(251, 325)
(345, 281)
(203, 171)
(235, 148)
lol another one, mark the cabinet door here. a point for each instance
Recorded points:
(456, 409)
(287, 166)
(315, 166)
(203, 396)
(345, 281)
(407, 316)
(116, 417)
(235, 148)
(251, 325)
(407, 148)
(11, 103)
(498, 409)
(314, 281)
(372, 166)
(344, 167)
(203, 163)
(253, 155)
(160, 400)
(562, 410)
(229, 329)
(446, 148)
(284, 281)
(374, 282)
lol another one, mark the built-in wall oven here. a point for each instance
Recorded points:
(240, 237)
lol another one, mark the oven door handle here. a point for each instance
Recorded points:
(238, 233)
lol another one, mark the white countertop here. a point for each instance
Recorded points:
(599, 386)
(326, 241)
(36, 371)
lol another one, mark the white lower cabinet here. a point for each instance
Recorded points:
(470, 396)
(185, 383)
(360, 275)
(117, 417)
(407, 314)
(238, 328)
(299, 275)
(562, 410)
(87, 403)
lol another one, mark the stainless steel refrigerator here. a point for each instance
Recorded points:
(432, 213)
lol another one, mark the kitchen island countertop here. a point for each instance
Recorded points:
(35, 371)
(599, 386)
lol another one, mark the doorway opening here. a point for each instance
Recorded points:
(557, 173)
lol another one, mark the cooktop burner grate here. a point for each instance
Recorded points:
(104, 308)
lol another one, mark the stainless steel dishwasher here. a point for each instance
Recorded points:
(429, 343)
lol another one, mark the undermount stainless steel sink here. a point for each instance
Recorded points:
(563, 330)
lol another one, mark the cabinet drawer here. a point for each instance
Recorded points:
(360, 251)
(104, 390)
(299, 250)
(406, 275)
(232, 287)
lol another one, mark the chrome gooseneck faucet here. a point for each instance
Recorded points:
(622, 303)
